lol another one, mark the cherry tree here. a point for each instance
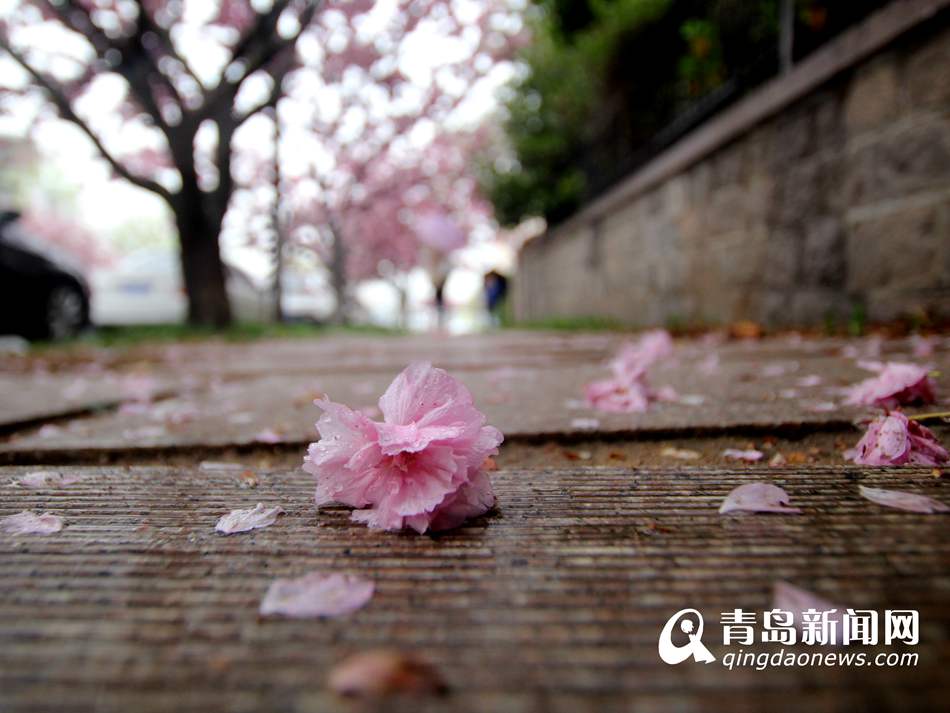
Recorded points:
(384, 102)
(184, 113)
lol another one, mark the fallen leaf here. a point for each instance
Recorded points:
(745, 329)
(750, 455)
(490, 464)
(777, 461)
(315, 595)
(900, 500)
(617, 455)
(29, 523)
(680, 453)
(757, 497)
(250, 519)
(797, 458)
(48, 479)
(381, 672)
(248, 479)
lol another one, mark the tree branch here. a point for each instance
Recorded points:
(58, 97)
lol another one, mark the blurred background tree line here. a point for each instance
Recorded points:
(607, 84)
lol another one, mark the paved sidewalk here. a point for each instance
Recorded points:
(552, 602)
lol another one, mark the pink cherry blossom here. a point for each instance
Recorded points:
(315, 595)
(757, 497)
(616, 395)
(896, 383)
(627, 391)
(29, 523)
(894, 439)
(250, 519)
(421, 467)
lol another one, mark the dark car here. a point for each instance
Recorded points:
(42, 299)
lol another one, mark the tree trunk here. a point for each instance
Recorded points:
(202, 270)
(338, 272)
(278, 228)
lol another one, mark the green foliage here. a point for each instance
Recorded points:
(553, 112)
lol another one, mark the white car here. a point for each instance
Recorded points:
(146, 287)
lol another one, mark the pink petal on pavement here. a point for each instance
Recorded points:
(750, 456)
(29, 523)
(250, 519)
(757, 497)
(793, 599)
(47, 479)
(315, 595)
(900, 500)
(268, 435)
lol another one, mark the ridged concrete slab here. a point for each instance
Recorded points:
(524, 402)
(552, 603)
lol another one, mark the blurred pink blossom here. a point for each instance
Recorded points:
(896, 383)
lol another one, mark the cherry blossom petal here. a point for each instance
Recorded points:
(900, 500)
(316, 595)
(382, 672)
(585, 424)
(251, 519)
(29, 523)
(679, 453)
(750, 455)
(797, 601)
(268, 435)
(48, 479)
(758, 497)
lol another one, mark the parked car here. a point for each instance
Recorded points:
(146, 287)
(42, 298)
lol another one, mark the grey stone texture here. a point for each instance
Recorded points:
(838, 203)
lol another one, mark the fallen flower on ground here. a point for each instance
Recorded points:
(751, 455)
(316, 595)
(382, 672)
(422, 467)
(29, 523)
(757, 497)
(894, 439)
(48, 479)
(896, 384)
(627, 391)
(900, 500)
(251, 519)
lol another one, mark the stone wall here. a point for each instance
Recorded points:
(825, 193)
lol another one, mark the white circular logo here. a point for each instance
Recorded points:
(673, 654)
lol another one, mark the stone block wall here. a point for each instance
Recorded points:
(836, 201)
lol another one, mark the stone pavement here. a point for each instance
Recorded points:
(554, 601)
